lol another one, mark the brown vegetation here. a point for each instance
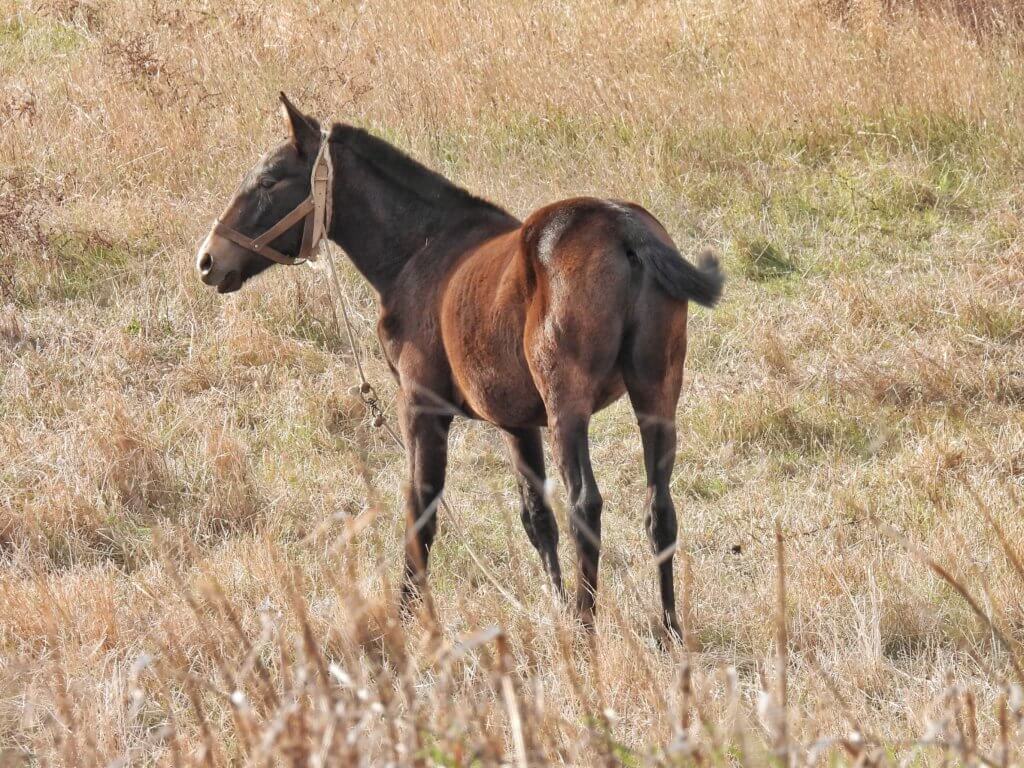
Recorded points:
(198, 533)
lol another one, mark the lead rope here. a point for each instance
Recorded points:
(370, 400)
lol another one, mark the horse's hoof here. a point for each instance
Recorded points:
(406, 612)
(673, 631)
(585, 613)
(410, 604)
(667, 634)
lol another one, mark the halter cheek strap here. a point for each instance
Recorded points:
(315, 209)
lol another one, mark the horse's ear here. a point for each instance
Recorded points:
(304, 130)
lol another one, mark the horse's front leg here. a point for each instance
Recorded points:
(426, 447)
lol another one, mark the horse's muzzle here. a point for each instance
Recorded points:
(224, 282)
(218, 272)
(231, 282)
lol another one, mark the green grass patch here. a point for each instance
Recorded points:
(762, 259)
(12, 32)
(702, 487)
(1003, 323)
(788, 431)
(23, 37)
(88, 265)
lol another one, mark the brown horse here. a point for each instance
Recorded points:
(522, 324)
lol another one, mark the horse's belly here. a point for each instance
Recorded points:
(483, 338)
(507, 402)
(612, 390)
(492, 378)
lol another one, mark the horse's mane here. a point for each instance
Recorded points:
(430, 186)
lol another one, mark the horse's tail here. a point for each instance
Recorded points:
(647, 242)
(676, 276)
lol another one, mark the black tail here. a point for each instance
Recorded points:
(679, 278)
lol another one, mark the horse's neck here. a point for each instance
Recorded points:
(387, 207)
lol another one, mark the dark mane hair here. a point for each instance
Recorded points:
(429, 186)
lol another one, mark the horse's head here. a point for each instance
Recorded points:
(276, 187)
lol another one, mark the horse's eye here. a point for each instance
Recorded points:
(267, 182)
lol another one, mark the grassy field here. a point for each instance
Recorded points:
(199, 530)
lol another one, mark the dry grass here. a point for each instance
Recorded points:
(198, 528)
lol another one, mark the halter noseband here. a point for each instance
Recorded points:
(315, 209)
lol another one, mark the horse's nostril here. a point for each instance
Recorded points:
(205, 264)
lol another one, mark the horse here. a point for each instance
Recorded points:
(523, 324)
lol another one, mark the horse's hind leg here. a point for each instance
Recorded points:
(658, 434)
(654, 375)
(527, 452)
(572, 452)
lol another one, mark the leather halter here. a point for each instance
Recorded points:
(315, 209)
